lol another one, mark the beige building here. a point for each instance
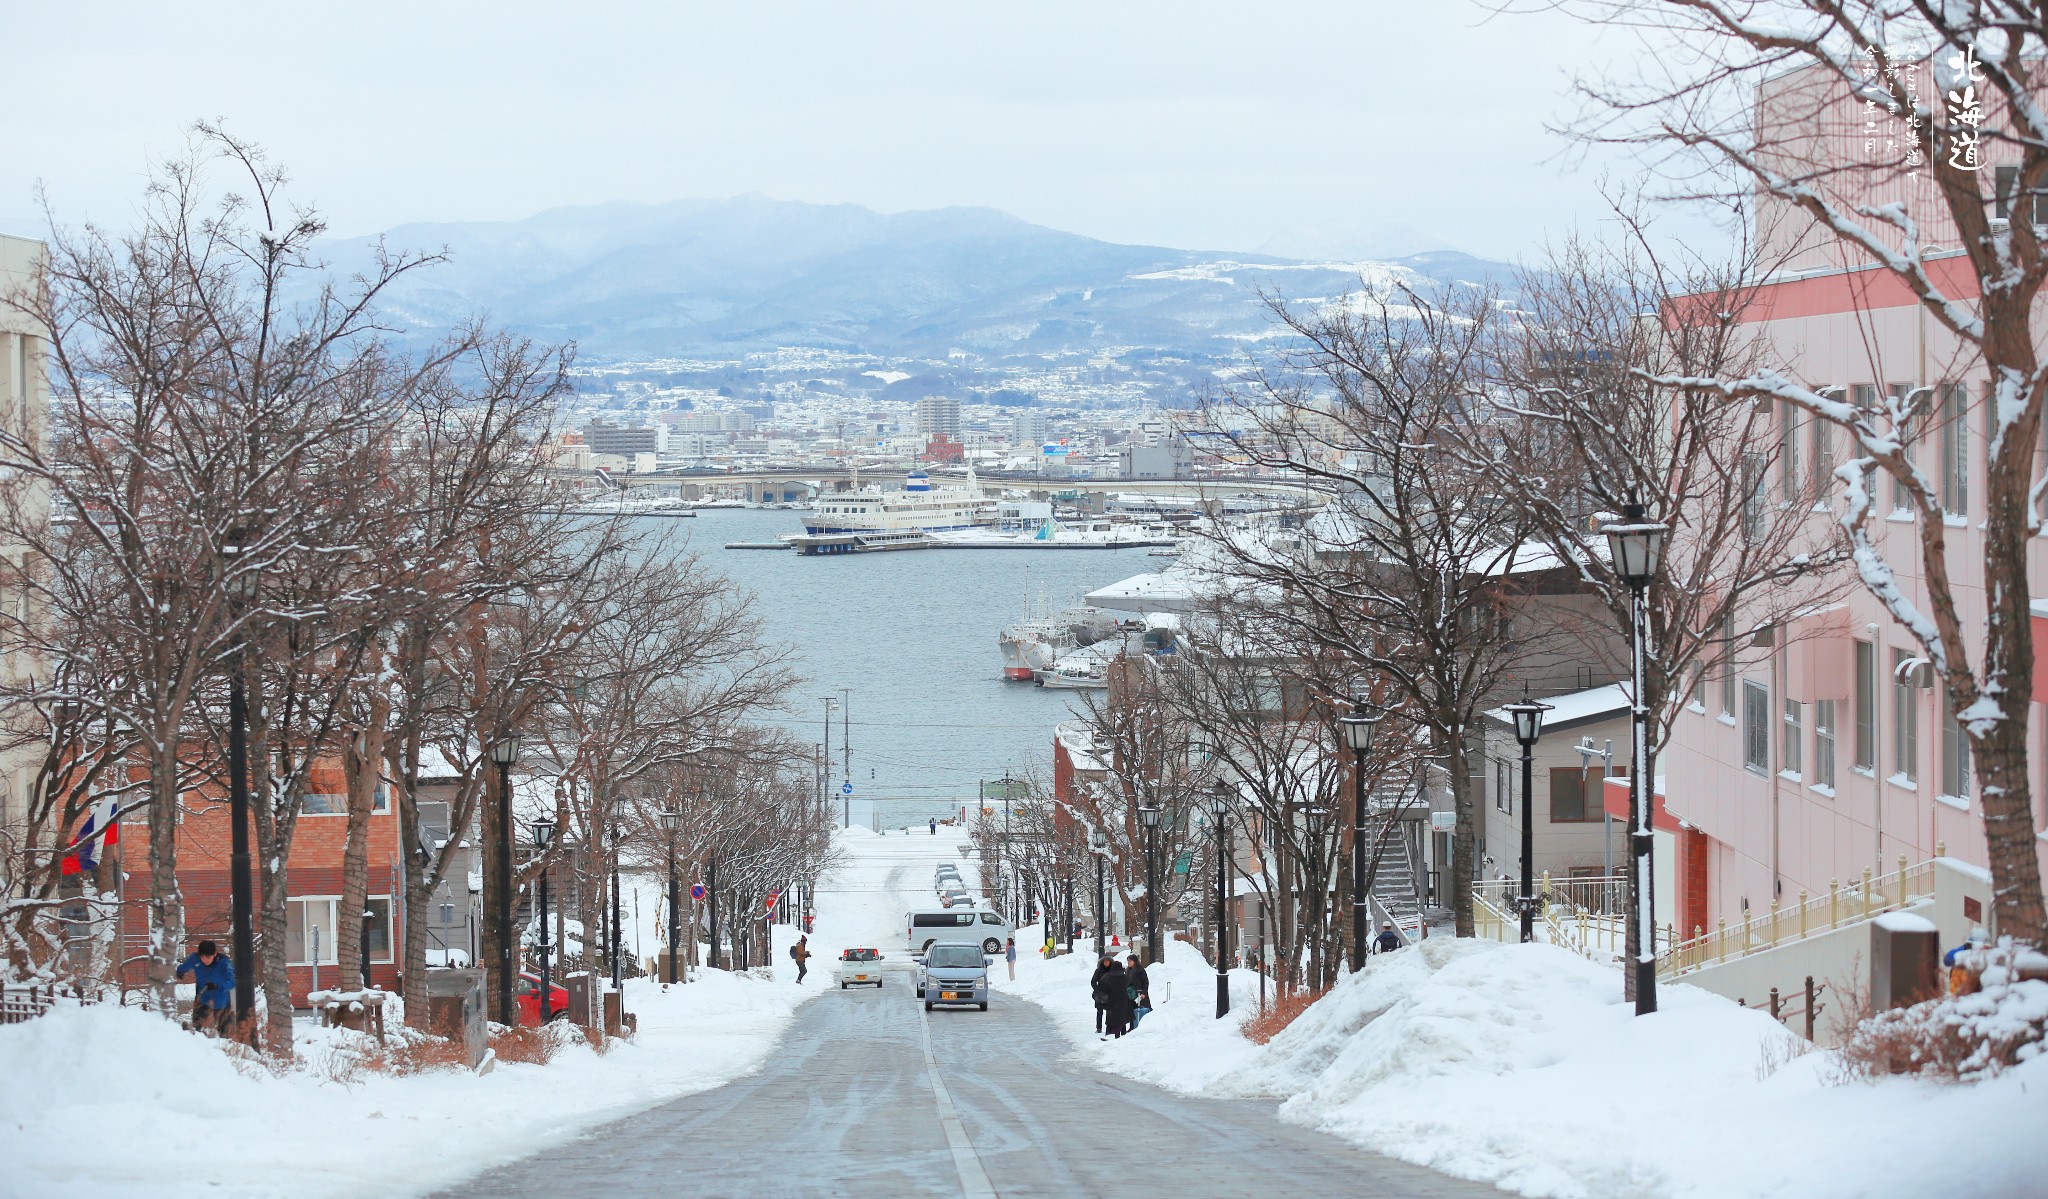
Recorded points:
(25, 411)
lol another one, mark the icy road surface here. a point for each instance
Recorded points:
(847, 1105)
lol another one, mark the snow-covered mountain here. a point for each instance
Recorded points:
(716, 278)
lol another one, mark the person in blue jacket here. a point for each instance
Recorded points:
(213, 987)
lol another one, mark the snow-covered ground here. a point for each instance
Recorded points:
(1521, 1066)
(113, 1103)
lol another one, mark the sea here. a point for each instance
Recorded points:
(906, 641)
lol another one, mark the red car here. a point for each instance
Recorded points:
(527, 996)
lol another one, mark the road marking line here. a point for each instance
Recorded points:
(973, 1179)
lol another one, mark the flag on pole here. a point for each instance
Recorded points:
(100, 828)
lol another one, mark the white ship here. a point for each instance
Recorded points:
(870, 519)
(1033, 644)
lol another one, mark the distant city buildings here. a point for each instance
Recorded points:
(938, 416)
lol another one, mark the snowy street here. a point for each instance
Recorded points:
(846, 1104)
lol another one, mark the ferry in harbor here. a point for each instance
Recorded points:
(870, 519)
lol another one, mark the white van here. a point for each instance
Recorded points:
(985, 930)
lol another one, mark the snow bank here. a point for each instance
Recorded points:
(115, 1103)
(1522, 1066)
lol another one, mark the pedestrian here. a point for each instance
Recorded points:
(1010, 956)
(1388, 940)
(801, 953)
(1114, 996)
(213, 987)
(1095, 987)
(1140, 984)
(935, 826)
(1962, 980)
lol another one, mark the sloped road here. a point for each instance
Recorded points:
(847, 1107)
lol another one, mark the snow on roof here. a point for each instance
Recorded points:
(1079, 743)
(435, 765)
(1576, 707)
(1158, 591)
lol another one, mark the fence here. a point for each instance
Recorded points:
(1810, 916)
(19, 1005)
(1585, 915)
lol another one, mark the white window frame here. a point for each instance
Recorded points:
(330, 953)
(1756, 727)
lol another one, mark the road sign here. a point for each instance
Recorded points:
(771, 903)
(846, 788)
(696, 890)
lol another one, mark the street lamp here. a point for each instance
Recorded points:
(504, 752)
(1528, 716)
(1098, 841)
(1149, 815)
(1222, 797)
(1358, 727)
(1636, 548)
(242, 583)
(671, 824)
(618, 835)
(543, 836)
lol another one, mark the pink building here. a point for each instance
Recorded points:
(1814, 751)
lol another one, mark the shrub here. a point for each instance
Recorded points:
(1958, 1038)
(415, 1055)
(1279, 1014)
(529, 1045)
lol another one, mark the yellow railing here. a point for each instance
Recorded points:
(1811, 916)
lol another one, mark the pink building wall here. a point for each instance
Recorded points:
(1779, 831)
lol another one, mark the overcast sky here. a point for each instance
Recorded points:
(1361, 126)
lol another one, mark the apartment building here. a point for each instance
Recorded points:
(25, 410)
(1820, 746)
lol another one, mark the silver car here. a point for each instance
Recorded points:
(953, 974)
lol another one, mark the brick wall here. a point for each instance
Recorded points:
(313, 869)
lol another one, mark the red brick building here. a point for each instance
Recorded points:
(313, 882)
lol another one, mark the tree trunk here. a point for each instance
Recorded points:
(495, 933)
(361, 758)
(1462, 838)
(166, 908)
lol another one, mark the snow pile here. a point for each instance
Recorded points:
(1522, 1066)
(114, 1103)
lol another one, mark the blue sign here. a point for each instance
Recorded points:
(846, 788)
(696, 890)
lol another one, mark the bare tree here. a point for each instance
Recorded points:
(1407, 574)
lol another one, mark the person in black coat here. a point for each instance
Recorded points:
(1140, 984)
(1113, 996)
(1095, 987)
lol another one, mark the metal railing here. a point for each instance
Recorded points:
(1811, 916)
(1584, 915)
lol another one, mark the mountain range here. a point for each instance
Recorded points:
(716, 279)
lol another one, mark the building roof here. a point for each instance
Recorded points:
(1574, 708)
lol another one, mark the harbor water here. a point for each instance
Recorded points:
(911, 636)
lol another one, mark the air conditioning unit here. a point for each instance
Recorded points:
(2000, 224)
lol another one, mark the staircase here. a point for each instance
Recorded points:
(1394, 888)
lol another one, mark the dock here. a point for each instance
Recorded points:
(757, 545)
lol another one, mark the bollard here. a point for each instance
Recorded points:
(1774, 1004)
(1902, 880)
(1834, 902)
(1699, 944)
(1802, 915)
(1809, 1007)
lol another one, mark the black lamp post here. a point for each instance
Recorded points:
(543, 836)
(241, 587)
(1636, 547)
(672, 823)
(1528, 716)
(618, 835)
(504, 752)
(1149, 815)
(1098, 841)
(1358, 727)
(1222, 797)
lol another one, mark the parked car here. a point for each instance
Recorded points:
(526, 996)
(985, 931)
(860, 967)
(953, 974)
